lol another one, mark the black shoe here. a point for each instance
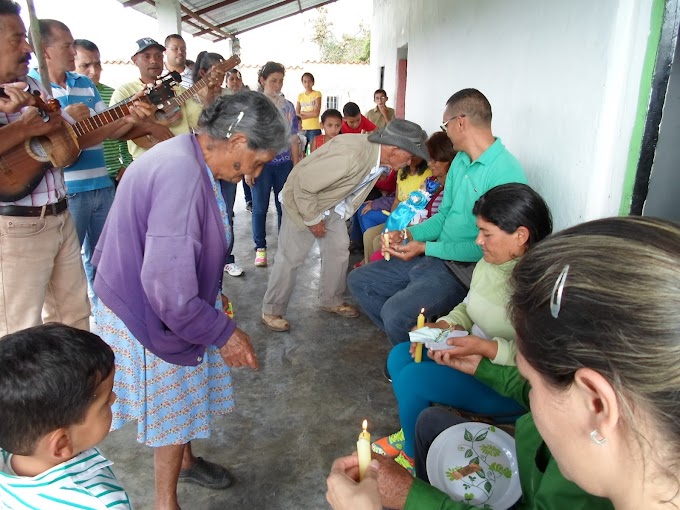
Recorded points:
(207, 474)
(249, 207)
(386, 373)
(356, 247)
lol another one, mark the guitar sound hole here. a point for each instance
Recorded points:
(40, 147)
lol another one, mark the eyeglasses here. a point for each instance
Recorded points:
(443, 126)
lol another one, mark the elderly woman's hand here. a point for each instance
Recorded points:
(345, 493)
(406, 251)
(238, 351)
(394, 482)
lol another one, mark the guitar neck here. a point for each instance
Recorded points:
(101, 119)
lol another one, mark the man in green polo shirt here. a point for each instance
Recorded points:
(432, 270)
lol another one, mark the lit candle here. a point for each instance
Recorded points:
(364, 450)
(386, 237)
(419, 346)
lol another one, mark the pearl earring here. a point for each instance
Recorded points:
(597, 438)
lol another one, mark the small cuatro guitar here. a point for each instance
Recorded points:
(24, 165)
(169, 112)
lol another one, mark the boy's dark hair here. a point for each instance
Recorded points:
(308, 74)
(330, 113)
(48, 378)
(351, 110)
(9, 8)
(380, 91)
(86, 45)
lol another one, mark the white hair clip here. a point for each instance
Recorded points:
(558, 289)
(234, 124)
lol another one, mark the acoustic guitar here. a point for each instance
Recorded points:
(169, 112)
(24, 165)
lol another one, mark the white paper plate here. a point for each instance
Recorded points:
(496, 485)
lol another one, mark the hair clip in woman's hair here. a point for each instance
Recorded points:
(558, 289)
(234, 124)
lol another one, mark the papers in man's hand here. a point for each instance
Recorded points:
(435, 338)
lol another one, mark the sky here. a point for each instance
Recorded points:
(115, 29)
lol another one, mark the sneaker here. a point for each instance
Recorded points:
(390, 446)
(261, 257)
(249, 207)
(233, 269)
(406, 462)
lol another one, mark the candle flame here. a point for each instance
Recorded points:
(364, 425)
(422, 310)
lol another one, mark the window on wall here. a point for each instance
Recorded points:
(382, 77)
(332, 102)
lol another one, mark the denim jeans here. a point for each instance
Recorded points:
(247, 194)
(228, 190)
(273, 177)
(418, 385)
(89, 210)
(392, 292)
(311, 134)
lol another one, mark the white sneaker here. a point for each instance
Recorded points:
(233, 269)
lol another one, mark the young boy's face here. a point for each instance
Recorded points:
(353, 122)
(331, 126)
(380, 99)
(97, 421)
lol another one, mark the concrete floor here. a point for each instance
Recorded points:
(298, 412)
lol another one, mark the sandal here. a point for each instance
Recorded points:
(207, 474)
(275, 322)
(344, 310)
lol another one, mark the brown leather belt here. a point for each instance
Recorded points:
(22, 210)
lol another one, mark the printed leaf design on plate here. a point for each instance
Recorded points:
(451, 473)
(481, 436)
(501, 470)
(489, 449)
(492, 428)
(469, 453)
(488, 487)
(474, 461)
(467, 435)
(481, 473)
(468, 496)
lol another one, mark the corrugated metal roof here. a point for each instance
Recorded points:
(217, 20)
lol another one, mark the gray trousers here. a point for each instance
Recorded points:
(294, 245)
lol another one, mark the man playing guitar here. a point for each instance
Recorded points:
(149, 60)
(41, 273)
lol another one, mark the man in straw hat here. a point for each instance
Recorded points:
(321, 192)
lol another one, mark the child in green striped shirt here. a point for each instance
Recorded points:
(56, 391)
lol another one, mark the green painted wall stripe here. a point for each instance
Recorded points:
(656, 23)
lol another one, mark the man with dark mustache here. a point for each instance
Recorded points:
(41, 273)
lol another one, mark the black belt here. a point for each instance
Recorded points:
(22, 210)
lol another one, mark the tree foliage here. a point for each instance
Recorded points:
(351, 48)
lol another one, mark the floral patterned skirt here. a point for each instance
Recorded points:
(172, 404)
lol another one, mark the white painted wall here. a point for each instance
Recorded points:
(562, 78)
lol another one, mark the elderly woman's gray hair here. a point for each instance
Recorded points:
(250, 113)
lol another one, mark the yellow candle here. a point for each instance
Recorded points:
(419, 347)
(386, 237)
(364, 450)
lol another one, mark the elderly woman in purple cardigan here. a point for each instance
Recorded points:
(159, 270)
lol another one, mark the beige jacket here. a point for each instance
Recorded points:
(329, 175)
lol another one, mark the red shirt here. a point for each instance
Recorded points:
(365, 125)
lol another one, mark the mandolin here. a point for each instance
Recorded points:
(169, 112)
(24, 165)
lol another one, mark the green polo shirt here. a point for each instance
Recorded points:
(450, 234)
